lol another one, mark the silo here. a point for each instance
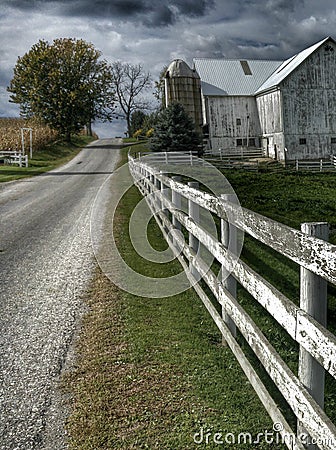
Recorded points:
(183, 85)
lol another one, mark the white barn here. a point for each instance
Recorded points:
(286, 107)
(297, 104)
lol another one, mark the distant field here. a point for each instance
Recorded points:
(10, 133)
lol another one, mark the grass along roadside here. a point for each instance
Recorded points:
(151, 373)
(53, 155)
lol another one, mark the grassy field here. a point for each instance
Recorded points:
(152, 373)
(51, 156)
(290, 198)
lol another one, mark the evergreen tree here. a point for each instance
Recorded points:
(174, 131)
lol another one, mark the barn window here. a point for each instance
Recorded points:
(333, 140)
(252, 142)
(239, 142)
(238, 122)
(302, 141)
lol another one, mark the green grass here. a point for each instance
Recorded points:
(129, 140)
(290, 198)
(54, 155)
(152, 372)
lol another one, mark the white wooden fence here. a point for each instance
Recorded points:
(236, 153)
(316, 165)
(306, 324)
(11, 157)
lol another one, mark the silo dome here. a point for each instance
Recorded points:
(178, 68)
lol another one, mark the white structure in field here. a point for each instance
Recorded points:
(287, 108)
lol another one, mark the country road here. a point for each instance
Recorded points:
(46, 261)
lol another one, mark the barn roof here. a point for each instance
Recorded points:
(233, 77)
(289, 66)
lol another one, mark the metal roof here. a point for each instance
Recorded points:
(289, 65)
(233, 77)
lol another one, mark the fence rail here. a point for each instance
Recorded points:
(317, 260)
(10, 157)
(320, 165)
(236, 153)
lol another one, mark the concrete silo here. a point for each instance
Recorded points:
(183, 85)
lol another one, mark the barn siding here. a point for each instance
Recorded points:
(272, 127)
(223, 113)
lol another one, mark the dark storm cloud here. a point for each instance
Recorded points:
(151, 13)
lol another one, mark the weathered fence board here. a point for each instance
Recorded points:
(313, 254)
(315, 166)
(309, 252)
(12, 157)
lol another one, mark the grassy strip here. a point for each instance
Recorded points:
(290, 198)
(152, 372)
(54, 155)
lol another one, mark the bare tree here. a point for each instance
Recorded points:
(129, 82)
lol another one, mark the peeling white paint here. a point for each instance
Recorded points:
(314, 254)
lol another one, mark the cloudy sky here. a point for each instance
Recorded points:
(154, 32)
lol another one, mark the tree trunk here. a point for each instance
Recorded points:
(128, 118)
(89, 129)
(68, 136)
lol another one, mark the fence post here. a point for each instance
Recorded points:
(152, 181)
(321, 165)
(158, 204)
(313, 300)
(297, 165)
(229, 240)
(151, 189)
(165, 193)
(177, 202)
(145, 178)
(194, 213)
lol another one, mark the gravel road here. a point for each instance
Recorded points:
(46, 262)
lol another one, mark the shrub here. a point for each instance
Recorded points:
(174, 131)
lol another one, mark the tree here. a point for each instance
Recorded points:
(174, 131)
(63, 83)
(129, 82)
(137, 121)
